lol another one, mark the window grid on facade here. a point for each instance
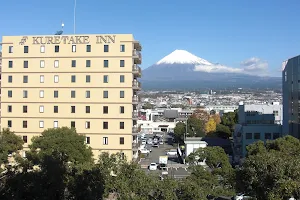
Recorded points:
(87, 94)
(106, 48)
(105, 109)
(42, 49)
(24, 137)
(73, 94)
(26, 49)
(73, 109)
(10, 64)
(56, 49)
(41, 109)
(41, 124)
(55, 109)
(88, 48)
(55, 93)
(122, 48)
(87, 109)
(73, 124)
(25, 94)
(25, 64)
(41, 93)
(268, 136)
(249, 136)
(25, 79)
(42, 64)
(73, 48)
(87, 78)
(122, 94)
(55, 124)
(257, 136)
(122, 63)
(10, 49)
(9, 108)
(56, 78)
(42, 79)
(87, 124)
(105, 94)
(73, 78)
(88, 63)
(56, 63)
(105, 125)
(105, 78)
(9, 123)
(122, 126)
(24, 109)
(24, 124)
(10, 79)
(121, 140)
(122, 78)
(73, 63)
(9, 93)
(88, 140)
(105, 63)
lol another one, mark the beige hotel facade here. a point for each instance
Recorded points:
(89, 82)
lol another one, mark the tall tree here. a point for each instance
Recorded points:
(230, 119)
(271, 171)
(210, 126)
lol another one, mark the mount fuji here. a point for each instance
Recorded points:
(183, 70)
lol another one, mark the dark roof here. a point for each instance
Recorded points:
(217, 142)
(170, 114)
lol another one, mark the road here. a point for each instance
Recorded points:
(175, 168)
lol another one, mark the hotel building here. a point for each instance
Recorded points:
(291, 96)
(84, 81)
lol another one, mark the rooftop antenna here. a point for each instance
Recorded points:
(74, 16)
(62, 29)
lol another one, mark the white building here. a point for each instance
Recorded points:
(256, 122)
(221, 108)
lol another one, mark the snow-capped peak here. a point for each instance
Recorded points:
(182, 57)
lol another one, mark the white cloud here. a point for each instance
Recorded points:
(254, 66)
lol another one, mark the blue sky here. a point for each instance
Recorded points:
(227, 32)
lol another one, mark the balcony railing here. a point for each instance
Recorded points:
(135, 99)
(136, 69)
(135, 114)
(136, 84)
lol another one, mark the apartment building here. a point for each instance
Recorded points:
(89, 82)
(291, 96)
(256, 122)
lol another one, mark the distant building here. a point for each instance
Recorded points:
(256, 122)
(291, 95)
(221, 108)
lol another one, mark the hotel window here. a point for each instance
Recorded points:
(121, 125)
(56, 48)
(55, 109)
(25, 64)
(87, 125)
(26, 49)
(41, 93)
(268, 136)
(105, 94)
(257, 136)
(24, 109)
(10, 79)
(121, 140)
(56, 78)
(73, 109)
(24, 124)
(10, 64)
(105, 78)
(105, 140)
(122, 109)
(275, 136)
(88, 48)
(41, 109)
(10, 49)
(55, 94)
(73, 48)
(25, 79)
(122, 63)
(9, 93)
(87, 140)
(42, 79)
(41, 124)
(73, 78)
(275, 112)
(105, 125)
(56, 63)
(25, 94)
(73, 93)
(122, 94)
(88, 63)
(248, 136)
(9, 123)
(24, 138)
(42, 64)
(87, 109)
(105, 63)
(55, 124)
(73, 63)
(87, 94)
(9, 108)
(122, 78)
(122, 48)
(87, 78)
(105, 109)
(73, 124)
(42, 49)
(106, 48)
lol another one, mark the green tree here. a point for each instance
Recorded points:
(179, 132)
(148, 106)
(230, 119)
(9, 144)
(64, 141)
(196, 127)
(271, 171)
(223, 131)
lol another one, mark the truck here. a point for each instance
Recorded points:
(163, 161)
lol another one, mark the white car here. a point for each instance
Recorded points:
(172, 153)
(145, 151)
(149, 141)
(153, 166)
(144, 142)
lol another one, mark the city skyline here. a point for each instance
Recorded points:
(230, 34)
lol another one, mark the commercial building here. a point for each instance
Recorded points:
(291, 96)
(256, 122)
(84, 81)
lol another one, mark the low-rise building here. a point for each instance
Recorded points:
(256, 122)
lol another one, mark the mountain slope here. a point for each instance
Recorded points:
(177, 70)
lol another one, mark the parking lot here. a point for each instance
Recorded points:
(175, 168)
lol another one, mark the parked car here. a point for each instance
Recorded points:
(149, 141)
(144, 142)
(161, 142)
(172, 153)
(145, 151)
(153, 166)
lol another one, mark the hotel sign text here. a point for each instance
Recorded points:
(100, 39)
